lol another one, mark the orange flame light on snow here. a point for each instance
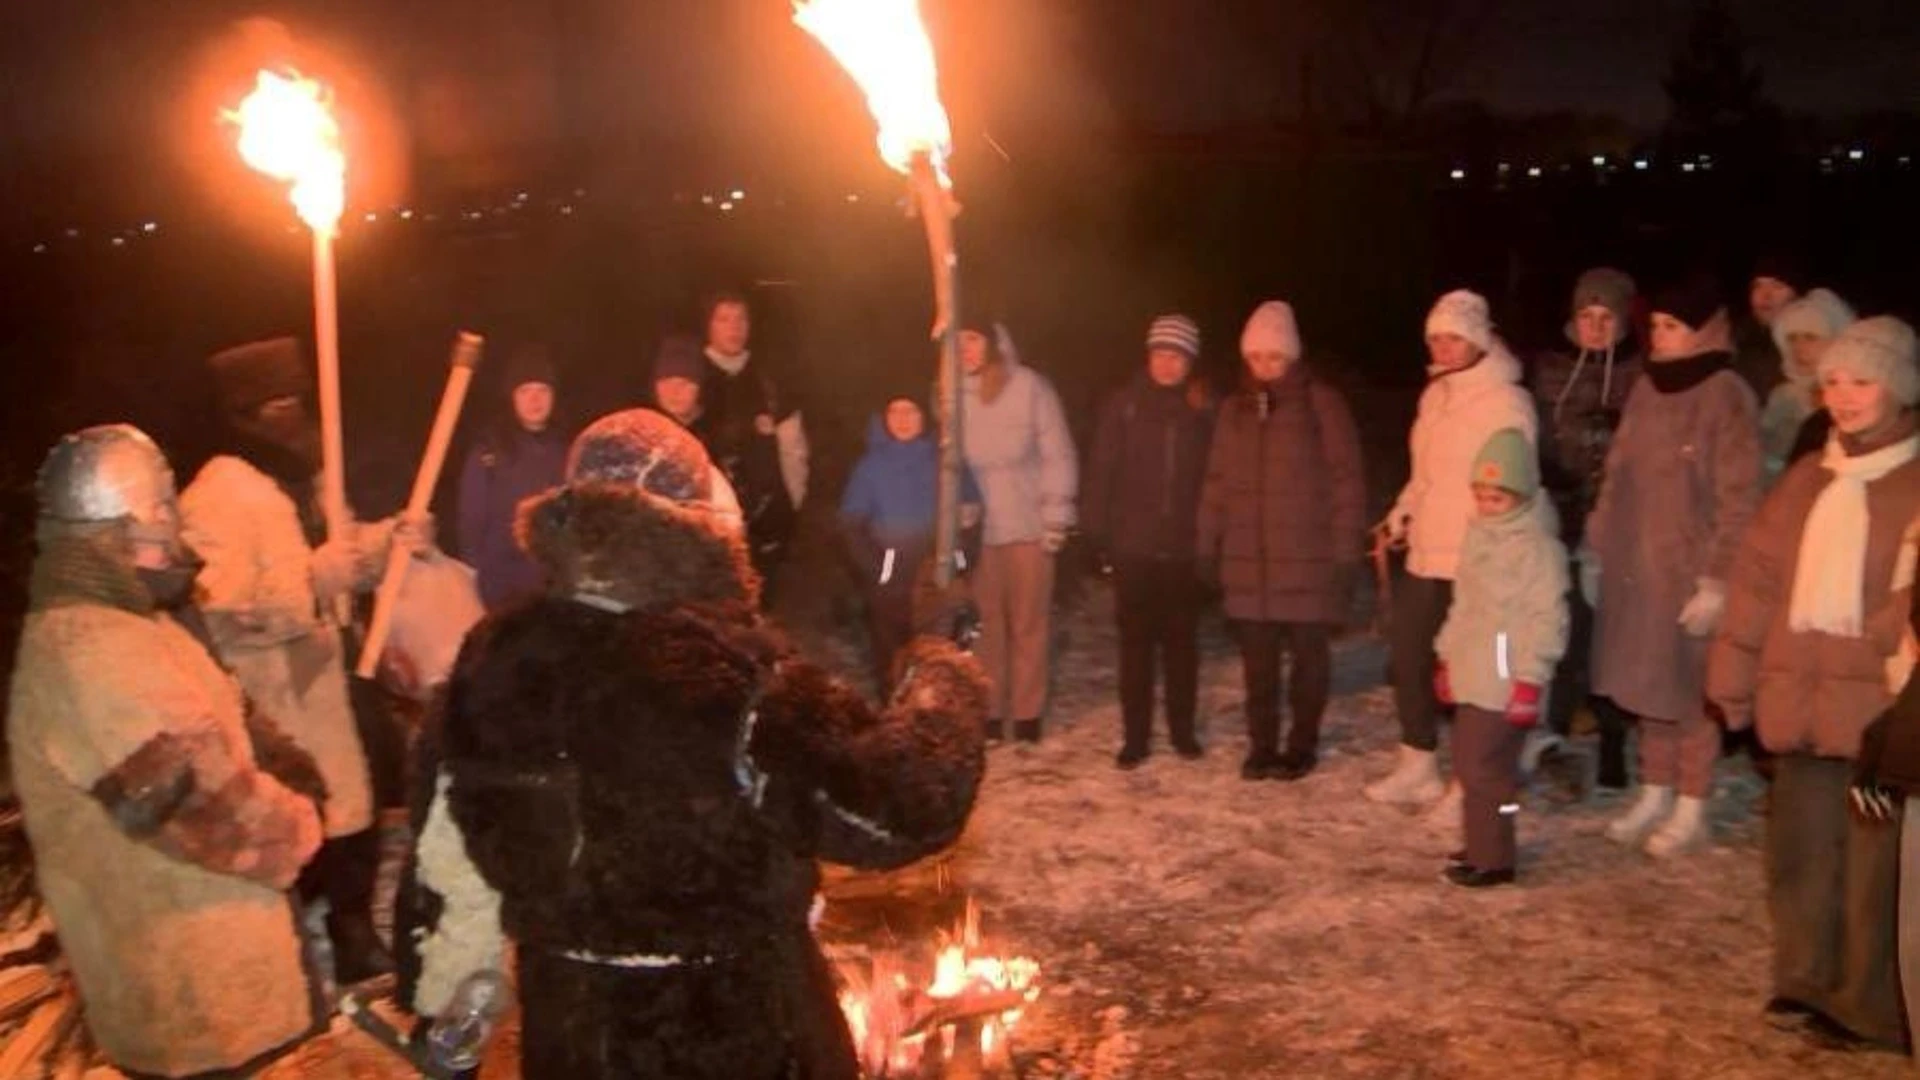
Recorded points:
(288, 133)
(883, 45)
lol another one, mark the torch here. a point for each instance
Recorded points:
(466, 356)
(288, 132)
(883, 45)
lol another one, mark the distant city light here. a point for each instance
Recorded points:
(706, 200)
(1599, 160)
(1856, 154)
(1504, 167)
(726, 206)
(853, 198)
(1906, 159)
(738, 195)
(39, 249)
(566, 211)
(372, 217)
(520, 197)
(1640, 164)
(150, 227)
(1534, 172)
(579, 193)
(1687, 166)
(119, 241)
(406, 215)
(1459, 174)
(73, 233)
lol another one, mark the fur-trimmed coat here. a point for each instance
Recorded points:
(164, 847)
(646, 774)
(258, 594)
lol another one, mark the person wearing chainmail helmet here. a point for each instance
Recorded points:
(168, 819)
(643, 773)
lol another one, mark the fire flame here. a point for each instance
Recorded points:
(288, 132)
(883, 45)
(882, 1004)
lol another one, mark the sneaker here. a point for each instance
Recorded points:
(1685, 829)
(1646, 814)
(996, 731)
(1786, 1014)
(1131, 757)
(1190, 750)
(1468, 877)
(1415, 780)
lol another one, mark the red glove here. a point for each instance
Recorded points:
(1523, 705)
(1442, 685)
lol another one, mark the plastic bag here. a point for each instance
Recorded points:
(439, 602)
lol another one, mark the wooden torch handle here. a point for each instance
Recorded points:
(466, 356)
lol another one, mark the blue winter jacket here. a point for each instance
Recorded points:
(891, 499)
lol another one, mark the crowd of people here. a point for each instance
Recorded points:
(629, 773)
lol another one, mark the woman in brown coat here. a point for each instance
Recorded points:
(1282, 521)
(1682, 481)
(1814, 614)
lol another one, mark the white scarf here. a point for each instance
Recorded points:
(1828, 581)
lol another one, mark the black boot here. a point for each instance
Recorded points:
(345, 872)
(1026, 731)
(1612, 774)
(996, 731)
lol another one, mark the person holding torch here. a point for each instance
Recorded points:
(274, 575)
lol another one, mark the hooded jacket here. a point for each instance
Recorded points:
(646, 777)
(1020, 450)
(1508, 622)
(1791, 403)
(1143, 481)
(1458, 412)
(1580, 394)
(891, 501)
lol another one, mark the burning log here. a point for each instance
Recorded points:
(973, 1005)
(22, 988)
(43, 1031)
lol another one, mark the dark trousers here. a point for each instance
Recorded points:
(1419, 607)
(1157, 606)
(1261, 646)
(1570, 676)
(1486, 760)
(890, 621)
(1832, 888)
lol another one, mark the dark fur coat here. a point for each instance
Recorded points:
(647, 780)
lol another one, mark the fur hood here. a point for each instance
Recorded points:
(611, 542)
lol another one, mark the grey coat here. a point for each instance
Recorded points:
(1682, 481)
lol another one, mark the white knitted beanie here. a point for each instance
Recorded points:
(1881, 349)
(1463, 313)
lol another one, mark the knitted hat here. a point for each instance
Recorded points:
(1693, 299)
(1465, 314)
(530, 363)
(1507, 461)
(680, 357)
(645, 450)
(1820, 314)
(248, 376)
(1881, 349)
(1272, 328)
(1604, 287)
(1176, 332)
(1781, 267)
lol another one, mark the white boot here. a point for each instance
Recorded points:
(1685, 830)
(1445, 814)
(1647, 812)
(1415, 781)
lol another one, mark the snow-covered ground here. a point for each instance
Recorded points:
(1191, 925)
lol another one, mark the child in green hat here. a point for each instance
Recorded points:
(1505, 631)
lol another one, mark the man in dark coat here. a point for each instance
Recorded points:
(645, 774)
(754, 431)
(1141, 500)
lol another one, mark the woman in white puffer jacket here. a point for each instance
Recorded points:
(1474, 390)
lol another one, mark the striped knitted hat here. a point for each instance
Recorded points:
(1176, 332)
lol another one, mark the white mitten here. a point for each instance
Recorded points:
(1701, 615)
(1590, 578)
(335, 569)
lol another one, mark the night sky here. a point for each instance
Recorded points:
(106, 73)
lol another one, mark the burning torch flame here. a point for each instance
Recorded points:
(288, 133)
(884, 46)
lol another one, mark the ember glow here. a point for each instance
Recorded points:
(899, 1027)
(288, 132)
(883, 45)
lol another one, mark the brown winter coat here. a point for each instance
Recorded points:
(1283, 508)
(257, 592)
(1811, 692)
(1683, 479)
(172, 911)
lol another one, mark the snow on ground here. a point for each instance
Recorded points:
(1195, 926)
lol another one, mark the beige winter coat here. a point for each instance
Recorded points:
(1508, 621)
(1811, 692)
(1458, 413)
(1682, 481)
(182, 969)
(257, 592)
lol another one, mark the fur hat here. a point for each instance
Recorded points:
(680, 357)
(1819, 313)
(530, 363)
(1176, 332)
(1507, 461)
(1604, 287)
(1693, 300)
(644, 450)
(1272, 328)
(248, 376)
(1881, 349)
(1465, 314)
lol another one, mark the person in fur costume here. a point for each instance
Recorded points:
(168, 820)
(643, 773)
(272, 575)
